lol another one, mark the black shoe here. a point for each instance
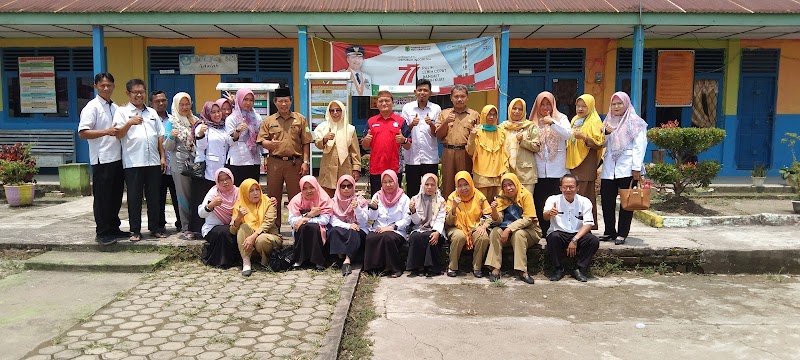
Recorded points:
(578, 275)
(105, 240)
(605, 237)
(477, 273)
(413, 273)
(619, 240)
(119, 234)
(346, 270)
(319, 268)
(247, 272)
(395, 274)
(430, 274)
(526, 278)
(557, 274)
(494, 277)
(451, 273)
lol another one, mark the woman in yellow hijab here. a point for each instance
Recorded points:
(585, 148)
(521, 145)
(340, 150)
(514, 215)
(253, 223)
(486, 145)
(466, 223)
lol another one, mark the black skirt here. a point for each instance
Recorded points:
(221, 249)
(200, 188)
(308, 245)
(421, 254)
(345, 241)
(382, 251)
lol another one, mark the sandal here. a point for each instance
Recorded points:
(159, 235)
(135, 238)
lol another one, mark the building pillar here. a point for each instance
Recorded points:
(636, 69)
(98, 49)
(302, 42)
(502, 103)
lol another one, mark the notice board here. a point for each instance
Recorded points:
(674, 78)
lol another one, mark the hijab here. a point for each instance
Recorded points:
(206, 115)
(320, 200)
(523, 198)
(255, 211)
(390, 199)
(220, 102)
(591, 126)
(490, 158)
(512, 144)
(471, 208)
(547, 136)
(343, 206)
(626, 127)
(224, 211)
(342, 129)
(429, 204)
(184, 125)
(248, 117)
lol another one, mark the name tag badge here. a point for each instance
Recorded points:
(396, 124)
(212, 157)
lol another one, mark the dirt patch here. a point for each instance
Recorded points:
(720, 206)
(682, 206)
(11, 260)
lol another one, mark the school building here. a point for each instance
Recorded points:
(746, 53)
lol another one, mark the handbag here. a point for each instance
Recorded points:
(634, 198)
(194, 169)
(281, 259)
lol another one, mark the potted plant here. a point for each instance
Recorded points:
(786, 173)
(17, 168)
(759, 173)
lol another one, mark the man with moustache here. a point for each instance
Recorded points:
(453, 126)
(385, 134)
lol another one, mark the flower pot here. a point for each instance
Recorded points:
(758, 181)
(796, 206)
(19, 195)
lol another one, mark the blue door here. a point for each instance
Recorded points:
(526, 87)
(756, 114)
(172, 84)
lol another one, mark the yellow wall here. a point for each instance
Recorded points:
(788, 76)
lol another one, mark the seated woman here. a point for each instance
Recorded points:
(427, 215)
(516, 216)
(348, 226)
(221, 249)
(467, 221)
(254, 224)
(389, 212)
(309, 214)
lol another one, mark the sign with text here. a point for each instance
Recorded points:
(467, 62)
(674, 78)
(37, 85)
(209, 64)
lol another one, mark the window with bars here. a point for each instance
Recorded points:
(546, 60)
(263, 65)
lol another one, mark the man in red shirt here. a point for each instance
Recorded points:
(385, 134)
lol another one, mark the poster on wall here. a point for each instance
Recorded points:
(37, 85)
(209, 64)
(467, 62)
(674, 78)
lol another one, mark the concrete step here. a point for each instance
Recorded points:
(124, 261)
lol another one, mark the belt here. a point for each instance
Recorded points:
(286, 158)
(455, 147)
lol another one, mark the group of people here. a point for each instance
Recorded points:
(507, 183)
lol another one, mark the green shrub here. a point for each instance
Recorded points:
(682, 144)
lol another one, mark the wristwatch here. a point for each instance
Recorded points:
(306, 162)
(406, 141)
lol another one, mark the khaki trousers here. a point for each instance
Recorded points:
(453, 161)
(489, 192)
(279, 172)
(264, 245)
(520, 240)
(457, 242)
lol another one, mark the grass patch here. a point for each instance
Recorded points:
(499, 283)
(355, 341)
(222, 339)
(607, 267)
(778, 277)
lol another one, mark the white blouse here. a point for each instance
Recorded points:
(557, 167)
(214, 146)
(361, 219)
(395, 215)
(630, 160)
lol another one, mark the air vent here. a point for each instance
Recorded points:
(262, 59)
(625, 60)
(166, 58)
(66, 59)
(760, 60)
(709, 60)
(546, 60)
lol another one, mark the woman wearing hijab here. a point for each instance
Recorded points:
(179, 141)
(348, 226)
(244, 155)
(253, 223)
(553, 130)
(466, 222)
(226, 106)
(221, 249)
(486, 145)
(341, 154)
(517, 227)
(521, 146)
(309, 214)
(212, 143)
(427, 210)
(584, 148)
(389, 212)
(626, 141)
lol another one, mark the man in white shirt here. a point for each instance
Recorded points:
(158, 101)
(142, 136)
(423, 156)
(96, 126)
(571, 222)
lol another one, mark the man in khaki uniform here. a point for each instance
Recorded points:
(286, 135)
(453, 126)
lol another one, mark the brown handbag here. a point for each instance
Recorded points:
(634, 198)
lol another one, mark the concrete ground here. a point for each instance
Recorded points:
(620, 317)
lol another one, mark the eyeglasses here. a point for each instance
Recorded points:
(335, 110)
(346, 186)
(570, 187)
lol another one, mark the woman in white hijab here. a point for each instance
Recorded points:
(340, 150)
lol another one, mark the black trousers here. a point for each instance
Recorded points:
(414, 174)
(375, 182)
(167, 183)
(545, 188)
(240, 173)
(200, 188)
(609, 189)
(145, 180)
(557, 243)
(108, 181)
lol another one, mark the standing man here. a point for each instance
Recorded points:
(142, 136)
(570, 217)
(452, 129)
(158, 100)
(385, 134)
(105, 155)
(287, 136)
(423, 156)
(362, 84)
